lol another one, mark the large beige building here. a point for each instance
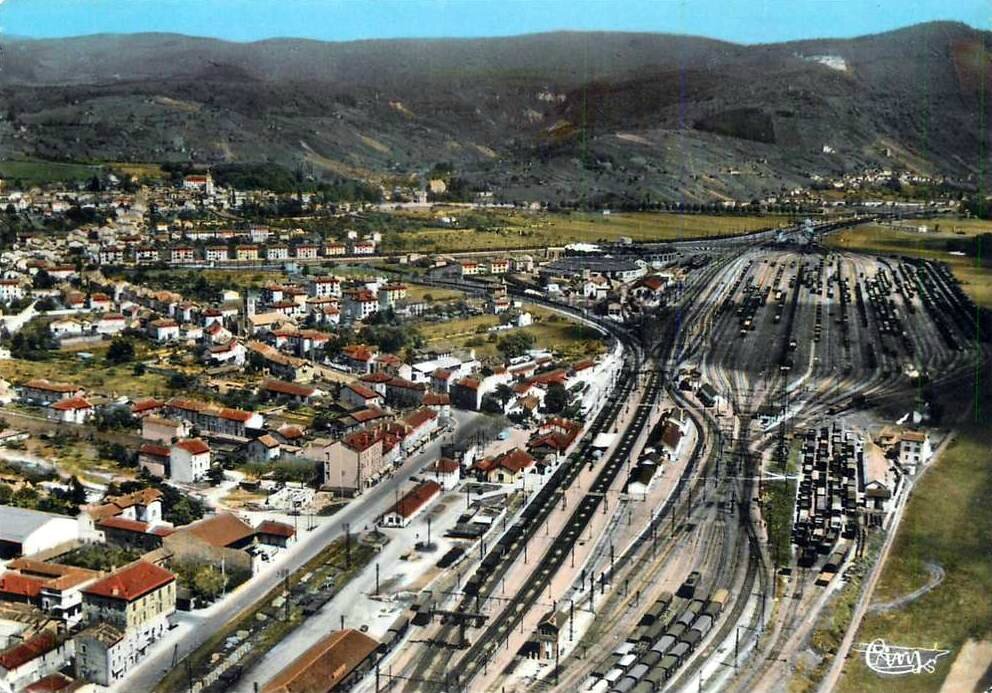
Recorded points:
(353, 463)
(139, 597)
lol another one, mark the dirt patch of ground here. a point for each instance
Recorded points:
(971, 668)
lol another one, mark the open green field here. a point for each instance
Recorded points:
(31, 172)
(945, 227)
(95, 375)
(948, 521)
(976, 279)
(432, 294)
(550, 331)
(137, 169)
(37, 172)
(518, 229)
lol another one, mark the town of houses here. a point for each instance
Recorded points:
(292, 351)
(270, 376)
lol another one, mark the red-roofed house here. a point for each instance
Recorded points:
(446, 472)
(132, 534)
(418, 426)
(264, 449)
(649, 290)
(232, 422)
(359, 304)
(163, 330)
(189, 460)
(154, 459)
(507, 468)
(146, 407)
(15, 587)
(359, 358)
(76, 410)
(411, 504)
(138, 598)
(54, 588)
(232, 352)
(354, 463)
(377, 381)
(358, 395)
(554, 437)
(41, 391)
(26, 662)
(404, 393)
(442, 378)
(276, 533)
(440, 403)
(292, 391)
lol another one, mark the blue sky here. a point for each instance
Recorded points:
(745, 21)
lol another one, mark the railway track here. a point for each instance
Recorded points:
(744, 540)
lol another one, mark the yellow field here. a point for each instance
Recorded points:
(519, 229)
(975, 280)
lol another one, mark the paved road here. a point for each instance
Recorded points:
(358, 514)
(14, 323)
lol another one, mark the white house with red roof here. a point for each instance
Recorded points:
(216, 333)
(413, 503)
(76, 410)
(110, 323)
(197, 182)
(359, 395)
(189, 460)
(40, 655)
(129, 610)
(274, 533)
(360, 358)
(233, 352)
(164, 330)
(418, 427)
(446, 472)
(100, 301)
(306, 252)
(359, 304)
(325, 286)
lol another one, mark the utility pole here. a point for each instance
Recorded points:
(347, 544)
(571, 619)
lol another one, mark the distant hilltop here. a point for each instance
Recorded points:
(547, 116)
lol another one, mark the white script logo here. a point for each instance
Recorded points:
(893, 660)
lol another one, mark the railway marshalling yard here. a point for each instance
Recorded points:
(813, 354)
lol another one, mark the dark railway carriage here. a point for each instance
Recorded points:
(703, 625)
(691, 639)
(680, 651)
(624, 685)
(650, 658)
(664, 644)
(668, 666)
